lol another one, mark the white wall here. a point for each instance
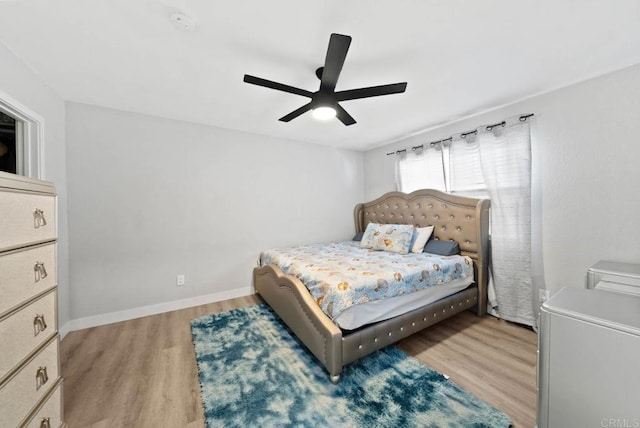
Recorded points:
(586, 171)
(21, 84)
(150, 198)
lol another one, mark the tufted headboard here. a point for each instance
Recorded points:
(464, 220)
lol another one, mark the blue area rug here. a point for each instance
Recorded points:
(255, 373)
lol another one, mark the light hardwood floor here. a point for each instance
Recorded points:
(142, 373)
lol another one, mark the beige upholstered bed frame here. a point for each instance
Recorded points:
(462, 219)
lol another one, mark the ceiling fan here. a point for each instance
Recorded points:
(325, 101)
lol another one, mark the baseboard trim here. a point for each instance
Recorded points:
(143, 311)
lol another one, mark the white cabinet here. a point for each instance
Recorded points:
(30, 382)
(615, 276)
(588, 370)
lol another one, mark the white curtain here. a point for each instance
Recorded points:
(491, 162)
(465, 168)
(419, 169)
(496, 162)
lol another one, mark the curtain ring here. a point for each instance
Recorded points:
(490, 127)
(464, 134)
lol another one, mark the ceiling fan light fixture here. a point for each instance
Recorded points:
(323, 113)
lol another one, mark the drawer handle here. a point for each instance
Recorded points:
(39, 271)
(41, 377)
(39, 324)
(45, 423)
(38, 218)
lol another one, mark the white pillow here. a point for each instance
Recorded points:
(420, 237)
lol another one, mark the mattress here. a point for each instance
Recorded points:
(357, 316)
(355, 286)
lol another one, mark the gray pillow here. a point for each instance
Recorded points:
(443, 248)
(358, 236)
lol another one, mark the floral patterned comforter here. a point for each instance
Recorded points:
(342, 274)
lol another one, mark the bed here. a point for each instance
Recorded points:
(461, 219)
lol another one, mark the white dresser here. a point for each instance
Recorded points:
(588, 372)
(614, 276)
(30, 382)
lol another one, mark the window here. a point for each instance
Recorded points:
(20, 139)
(10, 144)
(433, 168)
(465, 168)
(421, 169)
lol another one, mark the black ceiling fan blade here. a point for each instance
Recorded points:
(277, 86)
(305, 108)
(372, 91)
(336, 54)
(343, 116)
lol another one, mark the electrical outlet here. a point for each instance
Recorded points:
(179, 279)
(544, 295)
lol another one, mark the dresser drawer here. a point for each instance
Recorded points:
(20, 394)
(26, 218)
(50, 414)
(25, 273)
(25, 330)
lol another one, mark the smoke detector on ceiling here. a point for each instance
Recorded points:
(182, 22)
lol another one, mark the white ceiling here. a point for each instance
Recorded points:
(459, 57)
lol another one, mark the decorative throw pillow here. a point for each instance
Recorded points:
(394, 238)
(443, 248)
(358, 236)
(420, 237)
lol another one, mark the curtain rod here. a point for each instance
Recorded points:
(522, 118)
